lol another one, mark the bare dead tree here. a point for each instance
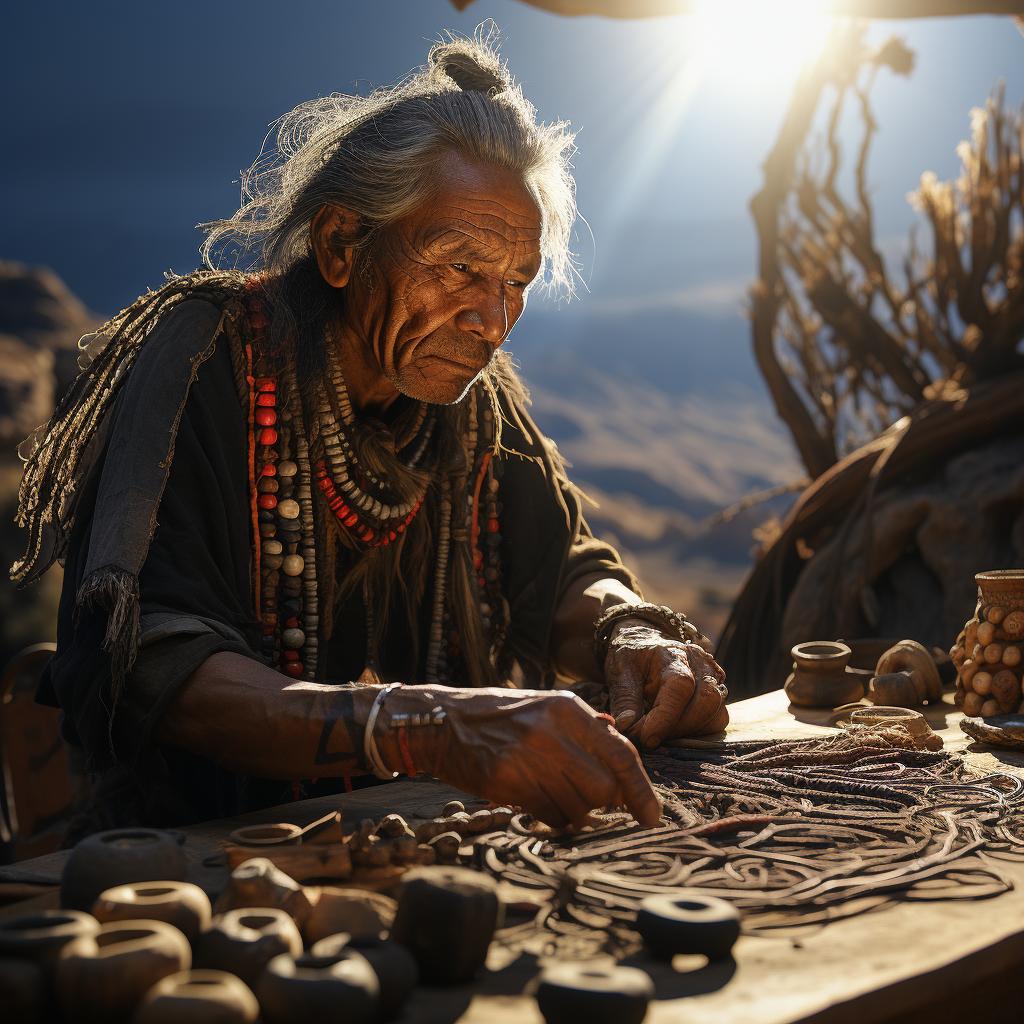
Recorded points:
(846, 347)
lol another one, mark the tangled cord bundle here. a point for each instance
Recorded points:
(797, 832)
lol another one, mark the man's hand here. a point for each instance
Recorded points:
(544, 751)
(661, 688)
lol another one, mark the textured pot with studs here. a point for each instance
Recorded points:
(198, 997)
(820, 678)
(393, 964)
(101, 978)
(581, 994)
(688, 924)
(446, 918)
(989, 652)
(182, 904)
(114, 858)
(242, 942)
(314, 990)
(42, 935)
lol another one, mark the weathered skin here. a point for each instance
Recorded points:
(425, 322)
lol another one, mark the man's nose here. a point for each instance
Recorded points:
(486, 316)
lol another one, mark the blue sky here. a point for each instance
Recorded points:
(125, 124)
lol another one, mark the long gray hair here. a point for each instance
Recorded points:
(378, 155)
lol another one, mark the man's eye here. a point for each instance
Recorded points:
(515, 284)
(462, 268)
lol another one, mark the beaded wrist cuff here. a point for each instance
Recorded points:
(656, 614)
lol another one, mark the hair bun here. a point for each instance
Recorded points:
(471, 72)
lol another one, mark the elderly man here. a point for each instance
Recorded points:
(268, 485)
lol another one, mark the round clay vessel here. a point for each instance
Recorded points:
(584, 994)
(819, 678)
(282, 834)
(23, 994)
(289, 992)
(688, 924)
(114, 858)
(446, 918)
(101, 978)
(182, 904)
(1004, 587)
(42, 935)
(242, 942)
(393, 964)
(198, 997)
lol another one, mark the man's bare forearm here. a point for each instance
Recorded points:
(573, 628)
(250, 719)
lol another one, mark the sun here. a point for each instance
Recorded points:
(755, 43)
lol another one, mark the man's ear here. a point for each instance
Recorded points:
(331, 233)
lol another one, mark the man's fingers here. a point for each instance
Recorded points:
(625, 692)
(706, 702)
(673, 697)
(622, 760)
(717, 723)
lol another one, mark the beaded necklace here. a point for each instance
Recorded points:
(281, 474)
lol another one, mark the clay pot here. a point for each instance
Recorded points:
(820, 678)
(114, 858)
(242, 942)
(688, 924)
(282, 834)
(989, 653)
(299, 992)
(393, 964)
(571, 993)
(182, 904)
(101, 978)
(42, 935)
(446, 918)
(198, 997)
(23, 995)
(356, 911)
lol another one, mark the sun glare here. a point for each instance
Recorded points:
(755, 42)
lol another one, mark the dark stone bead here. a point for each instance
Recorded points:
(267, 485)
(290, 608)
(267, 529)
(266, 516)
(493, 539)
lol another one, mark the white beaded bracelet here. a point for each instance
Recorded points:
(373, 759)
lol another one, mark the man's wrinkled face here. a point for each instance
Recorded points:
(450, 283)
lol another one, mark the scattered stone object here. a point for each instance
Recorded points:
(346, 988)
(906, 676)
(181, 904)
(358, 912)
(987, 653)
(117, 857)
(999, 730)
(446, 918)
(393, 964)
(242, 942)
(198, 997)
(101, 978)
(258, 882)
(575, 993)
(688, 924)
(42, 935)
(820, 678)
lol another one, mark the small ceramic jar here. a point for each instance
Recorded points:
(315, 991)
(114, 858)
(393, 964)
(42, 935)
(182, 904)
(198, 997)
(819, 678)
(101, 978)
(243, 941)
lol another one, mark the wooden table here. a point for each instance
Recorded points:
(909, 962)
